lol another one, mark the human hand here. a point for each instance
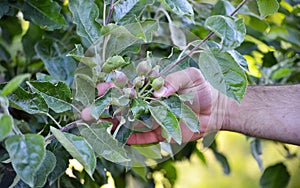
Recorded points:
(181, 82)
(185, 81)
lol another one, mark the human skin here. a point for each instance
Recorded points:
(268, 112)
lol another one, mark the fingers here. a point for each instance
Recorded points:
(152, 136)
(180, 81)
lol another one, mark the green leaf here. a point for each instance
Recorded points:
(121, 38)
(275, 176)
(57, 63)
(6, 123)
(151, 151)
(130, 10)
(84, 89)
(223, 161)
(179, 7)
(85, 13)
(62, 162)
(45, 169)
(31, 103)
(183, 112)
(99, 105)
(267, 7)
(190, 118)
(78, 54)
(78, 147)
(44, 13)
(113, 63)
(33, 35)
(4, 8)
(166, 119)
(4, 54)
(232, 32)
(138, 107)
(14, 84)
(103, 143)
(223, 73)
(27, 153)
(222, 7)
(10, 28)
(239, 58)
(149, 26)
(57, 96)
(256, 151)
(281, 73)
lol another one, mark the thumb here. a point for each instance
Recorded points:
(180, 81)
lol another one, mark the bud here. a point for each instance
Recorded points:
(120, 79)
(154, 73)
(143, 68)
(139, 81)
(130, 92)
(157, 83)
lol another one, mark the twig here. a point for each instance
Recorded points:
(66, 128)
(111, 8)
(201, 43)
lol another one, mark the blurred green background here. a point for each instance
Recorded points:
(244, 169)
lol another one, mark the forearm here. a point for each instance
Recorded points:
(270, 112)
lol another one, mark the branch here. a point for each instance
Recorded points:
(201, 43)
(111, 9)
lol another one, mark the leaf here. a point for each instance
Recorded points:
(14, 84)
(57, 96)
(150, 151)
(130, 10)
(27, 153)
(83, 87)
(100, 104)
(4, 54)
(179, 7)
(79, 148)
(239, 58)
(33, 35)
(6, 123)
(232, 32)
(166, 119)
(10, 28)
(4, 8)
(190, 118)
(31, 103)
(183, 112)
(222, 7)
(267, 7)
(223, 73)
(103, 143)
(223, 161)
(281, 73)
(256, 151)
(57, 63)
(45, 169)
(62, 162)
(85, 13)
(78, 54)
(44, 13)
(138, 107)
(275, 176)
(177, 36)
(113, 63)
(120, 38)
(149, 26)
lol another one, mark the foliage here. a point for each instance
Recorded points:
(54, 60)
